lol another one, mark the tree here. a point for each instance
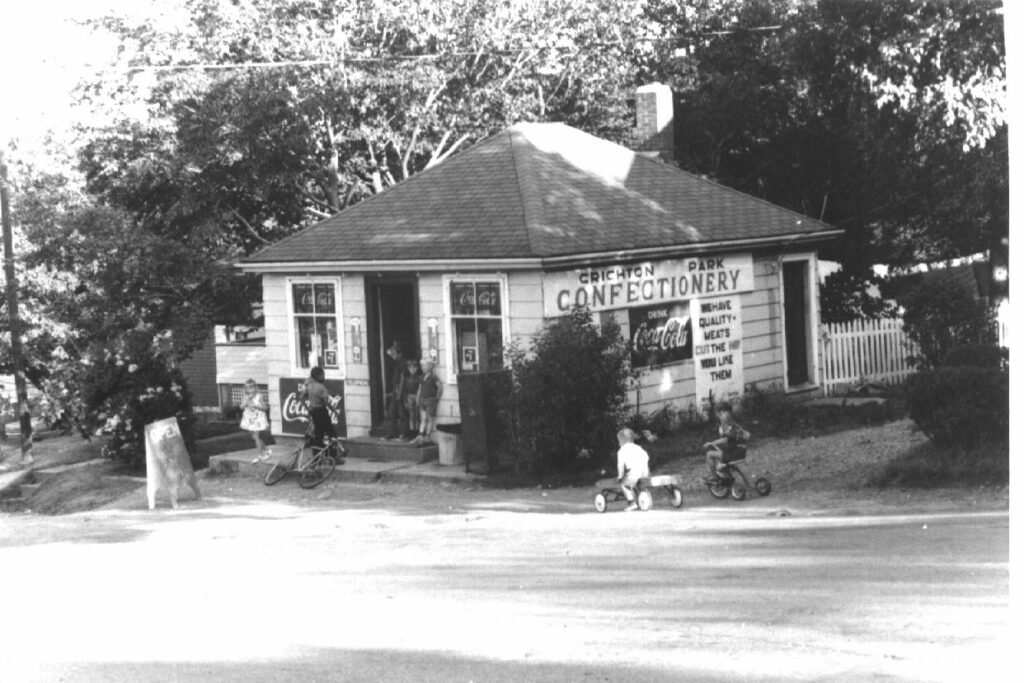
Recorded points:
(942, 313)
(366, 94)
(294, 110)
(123, 307)
(886, 119)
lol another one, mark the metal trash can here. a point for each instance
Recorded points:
(449, 444)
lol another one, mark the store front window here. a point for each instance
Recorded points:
(315, 325)
(477, 313)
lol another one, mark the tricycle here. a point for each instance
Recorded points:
(732, 481)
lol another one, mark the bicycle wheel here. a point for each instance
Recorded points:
(317, 471)
(282, 467)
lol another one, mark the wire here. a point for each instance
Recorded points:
(208, 66)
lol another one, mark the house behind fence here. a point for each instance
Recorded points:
(865, 350)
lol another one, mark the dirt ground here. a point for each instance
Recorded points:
(823, 580)
(825, 473)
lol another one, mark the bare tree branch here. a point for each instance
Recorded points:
(375, 176)
(440, 154)
(248, 226)
(316, 212)
(521, 61)
(348, 195)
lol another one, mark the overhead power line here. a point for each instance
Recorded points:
(220, 66)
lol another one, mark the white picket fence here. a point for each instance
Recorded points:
(865, 350)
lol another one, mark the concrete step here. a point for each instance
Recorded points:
(353, 469)
(382, 450)
(28, 490)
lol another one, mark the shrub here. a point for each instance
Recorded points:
(120, 391)
(942, 313)
(565, 398)
(847, 295)
(665, 420)
(963, 408)
(232, 412)
(772, 409)
(977, 355)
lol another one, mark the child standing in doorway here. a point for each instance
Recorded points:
(426, 398)
(254, 417)
(410, 389)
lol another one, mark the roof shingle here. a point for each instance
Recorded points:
(538, 191)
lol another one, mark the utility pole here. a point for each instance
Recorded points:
(15, 323)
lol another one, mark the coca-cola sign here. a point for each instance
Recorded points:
(295, 410)
(660, 334)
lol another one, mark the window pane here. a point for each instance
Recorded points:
(478, 343)
(463, 297)
(324, 298)
(302, 298)
(466, 347)
(304, 337)
(488, 298)
(328, 334)
(491, 343)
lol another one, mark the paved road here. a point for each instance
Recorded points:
(392, 585)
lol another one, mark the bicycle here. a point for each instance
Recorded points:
(314, 470)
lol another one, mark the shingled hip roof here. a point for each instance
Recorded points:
(539, 195)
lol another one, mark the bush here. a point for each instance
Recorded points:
(944, 313)
(963, 408)
(123, 390)
(773, 410)
(564, 401)
(232, 413)
(666, 420)
(978, 355)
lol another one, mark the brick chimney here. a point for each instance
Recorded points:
(655, 121)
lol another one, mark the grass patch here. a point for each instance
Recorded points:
(928, 466)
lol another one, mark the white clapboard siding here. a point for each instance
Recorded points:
(865, 350)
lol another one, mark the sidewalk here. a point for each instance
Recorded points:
(60, 452)
(358, 469)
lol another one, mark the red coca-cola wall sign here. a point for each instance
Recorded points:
(295, 411)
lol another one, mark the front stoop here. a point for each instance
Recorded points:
(381, 450)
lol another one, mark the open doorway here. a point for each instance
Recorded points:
(797, 313)
(392, 315)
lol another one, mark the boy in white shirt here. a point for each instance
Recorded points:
(633, 465)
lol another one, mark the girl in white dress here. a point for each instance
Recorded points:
(254, 417)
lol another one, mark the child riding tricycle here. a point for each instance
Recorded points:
(724, 476)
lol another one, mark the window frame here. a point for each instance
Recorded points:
(293, 352)
(812, 311)
(451, 353)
